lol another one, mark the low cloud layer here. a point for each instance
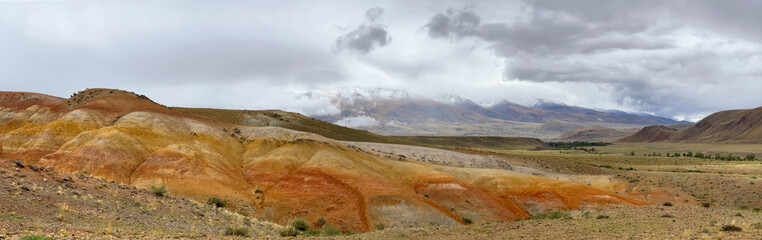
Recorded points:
(681, 59)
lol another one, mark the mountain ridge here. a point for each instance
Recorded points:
(396, 112)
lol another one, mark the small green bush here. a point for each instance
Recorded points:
(243, 232)
(380, 227)
(300, 225)
(330, 230)
(706, 204)
(320, 222)
(312, 232)
(602, 216)
(217, 202)
(289, 232)
(467, 220)
(35, 237)
(159, 191)
(667, 204)
(731, 228)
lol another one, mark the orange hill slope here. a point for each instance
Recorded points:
(733, 126)
(126, 137)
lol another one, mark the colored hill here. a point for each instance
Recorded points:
(279, 174)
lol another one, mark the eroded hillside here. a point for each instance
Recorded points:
(276, 173)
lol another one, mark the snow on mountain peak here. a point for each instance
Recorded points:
(545, 103)
(452, 99)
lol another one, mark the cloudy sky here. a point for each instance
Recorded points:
(680, 59)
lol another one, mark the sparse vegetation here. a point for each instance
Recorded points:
(300, 224)
(242, 231)
(330, 230)
(602, 216)
(467, 220)
(159, 191)
(217, 202)
(553, 215)
(289, 232)
(35, 237)
(757, 225)
(312, 232)
(731, 228)
(667, 204)
(320, 222)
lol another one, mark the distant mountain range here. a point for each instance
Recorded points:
(397, 112)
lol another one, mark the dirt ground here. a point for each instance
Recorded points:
(73, 206)
(649, 222)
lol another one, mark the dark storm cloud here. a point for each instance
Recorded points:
(453, 23)
(367, 36)
(637, 47)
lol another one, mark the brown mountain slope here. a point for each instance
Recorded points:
(596, 133)
(738, 126)
(127, 138)
(650, 134)
(733, 126)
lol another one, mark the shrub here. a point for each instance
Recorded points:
(731, 228)
(217, 202)
(242, 213)
(706, 204)
(35, 237)
(244, 232)
(380, 227)
(330, 230)
(159, 191)
(667, 216)
(757, 225)
(321, 221)
(602, 216)
(667, 204)
(559, 215)
(312, 232)
(258, 191)
(467, 220)
(289, 232)
(300, 224)
(553, 215)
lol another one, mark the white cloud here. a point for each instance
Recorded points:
(675, 59)
(357, 122)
